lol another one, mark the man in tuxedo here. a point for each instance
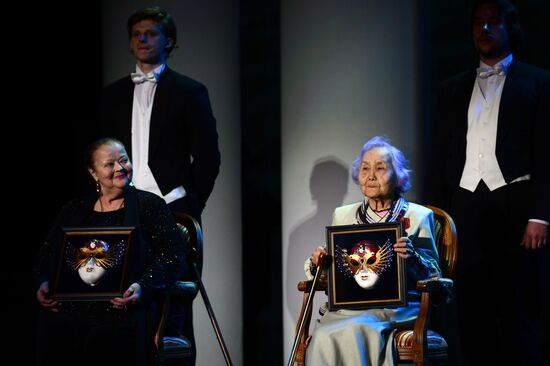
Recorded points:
(165, 120)
(491, 173)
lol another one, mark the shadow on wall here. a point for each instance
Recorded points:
(328, 185)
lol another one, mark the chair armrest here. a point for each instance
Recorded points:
(441, 289)
(305, 286)
(435, 291)
(305, 316)
(182, 288)
(434, 284)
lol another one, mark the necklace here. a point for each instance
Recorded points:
(118, 208)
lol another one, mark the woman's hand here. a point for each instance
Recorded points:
(315, 255)
(129, 298)
(404, 247)
(42, 295)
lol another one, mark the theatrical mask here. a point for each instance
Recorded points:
(94, 259)
(365, 263)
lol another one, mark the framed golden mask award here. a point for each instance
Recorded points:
(93, 264)
(365, 271)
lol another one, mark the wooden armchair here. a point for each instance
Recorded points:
(417, 345)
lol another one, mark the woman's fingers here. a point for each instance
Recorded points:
(404, 247)
(315, 255)
(130, 297)
(121, 303)
(43, 299)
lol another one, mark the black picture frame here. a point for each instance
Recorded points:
(92, 263)
(386, 289)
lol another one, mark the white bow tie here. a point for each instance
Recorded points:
(141, 78)
(485, 72)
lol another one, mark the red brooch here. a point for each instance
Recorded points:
(406, 224)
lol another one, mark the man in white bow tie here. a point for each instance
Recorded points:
(165, 120)
(491, 173)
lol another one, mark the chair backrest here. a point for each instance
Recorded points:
(192, 231)
(170, 347)
(446, 241)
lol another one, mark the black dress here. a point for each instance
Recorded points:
(92, 332)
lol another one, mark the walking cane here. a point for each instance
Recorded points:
(212, 318)
(307, 309)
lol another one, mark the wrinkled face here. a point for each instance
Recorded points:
(376, 176)
(111, 167)
(491, 37)
(148, 43)
(91, 273)
(366, 278)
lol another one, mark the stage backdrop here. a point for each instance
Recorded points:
(348, 73)
(208, 38)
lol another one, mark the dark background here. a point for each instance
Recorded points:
(52, 112)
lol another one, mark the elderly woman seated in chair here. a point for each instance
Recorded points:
(365, 337)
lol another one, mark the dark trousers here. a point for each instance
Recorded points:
(498, 282)
(70, 339)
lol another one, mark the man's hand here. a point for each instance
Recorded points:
(535, 235)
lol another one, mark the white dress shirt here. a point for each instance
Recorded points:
(143, 178)
(481, 161)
